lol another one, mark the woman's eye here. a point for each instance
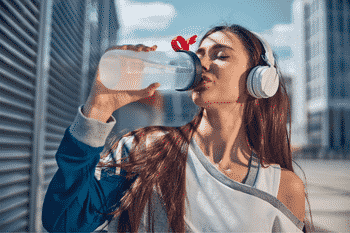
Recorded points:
(220, 55)
(223, 57)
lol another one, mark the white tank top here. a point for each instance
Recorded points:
(220, 204)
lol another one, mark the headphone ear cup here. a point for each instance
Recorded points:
(257, 78)
(269, 81)
(263, 82)
(250, 82)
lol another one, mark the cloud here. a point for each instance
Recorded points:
(147, 16)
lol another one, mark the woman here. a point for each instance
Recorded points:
(224, 174)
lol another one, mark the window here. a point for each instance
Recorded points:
(342, 89)
(340, 5)
(342, 65)
(308, 92)
(315, 91)
(315, 127)
(314, 49)
(332, 89)
(314, 118)
(307, 52)
(342, 129)
(308, 75)
(317, 70)
(340, 23)
(331, 46)
(307, 31)
(313, 7)
(330, 21)
(307, 11)
(319, 91)
(329, 4)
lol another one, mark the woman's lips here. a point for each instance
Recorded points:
(203, 85)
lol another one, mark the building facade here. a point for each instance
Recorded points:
(49, 52)
(327, 57)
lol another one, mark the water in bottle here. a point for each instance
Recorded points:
(130, 70)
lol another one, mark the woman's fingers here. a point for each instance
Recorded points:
(140, 47)
(136, 48)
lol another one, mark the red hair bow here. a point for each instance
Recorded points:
(185, 44)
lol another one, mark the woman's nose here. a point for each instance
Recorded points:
(205, 64)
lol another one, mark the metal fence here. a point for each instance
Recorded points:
(49, 52)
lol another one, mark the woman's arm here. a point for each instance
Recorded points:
(74, 195)
(293, 194)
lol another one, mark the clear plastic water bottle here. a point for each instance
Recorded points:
(129, 70)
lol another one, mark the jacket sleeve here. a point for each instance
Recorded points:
(75, 197)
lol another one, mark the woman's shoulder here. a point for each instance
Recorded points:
(290, 176)
(292, 190)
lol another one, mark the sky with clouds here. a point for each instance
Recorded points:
(150, 23)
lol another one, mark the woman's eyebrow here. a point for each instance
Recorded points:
(217, 46)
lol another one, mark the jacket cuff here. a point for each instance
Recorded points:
(91, 131)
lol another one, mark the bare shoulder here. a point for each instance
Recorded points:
(290, 176)
(290, 180)
(292, 190)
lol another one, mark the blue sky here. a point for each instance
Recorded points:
(257, 15)
(150, 22)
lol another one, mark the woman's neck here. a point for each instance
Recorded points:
(226, 147)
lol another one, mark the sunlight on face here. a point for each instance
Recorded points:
(225, 62)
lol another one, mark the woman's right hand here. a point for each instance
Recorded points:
(102, 102)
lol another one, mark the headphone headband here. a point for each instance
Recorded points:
(268, 57)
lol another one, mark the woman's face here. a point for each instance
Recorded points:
(225, 62)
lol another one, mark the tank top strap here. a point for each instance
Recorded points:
(268, 179)
(253, 169)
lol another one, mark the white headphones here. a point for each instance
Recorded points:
(263, 81)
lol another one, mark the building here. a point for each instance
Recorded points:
(327, 58)
(49, 52)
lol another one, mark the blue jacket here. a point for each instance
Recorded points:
(74, 196)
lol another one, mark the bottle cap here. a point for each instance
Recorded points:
(197, 71)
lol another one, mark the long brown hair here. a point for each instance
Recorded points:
(162, 164)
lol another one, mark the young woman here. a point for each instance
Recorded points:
(232, 162)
